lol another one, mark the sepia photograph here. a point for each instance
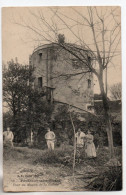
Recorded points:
(62, 98)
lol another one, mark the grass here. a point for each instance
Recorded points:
(62, 155)
(65, 156)
(60, 162)
(59, 155)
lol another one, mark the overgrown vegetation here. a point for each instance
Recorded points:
(110, 179)
(29, 112)
(59, 156)
(95, 174)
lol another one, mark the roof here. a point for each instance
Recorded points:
(50, 45)
(44, 46)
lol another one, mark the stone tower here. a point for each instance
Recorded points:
(57, 70)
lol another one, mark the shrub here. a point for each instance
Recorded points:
(59, 155)
(109, 179)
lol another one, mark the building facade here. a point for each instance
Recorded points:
(59, 72)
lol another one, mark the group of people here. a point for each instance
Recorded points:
(84, 143)
(8, 138)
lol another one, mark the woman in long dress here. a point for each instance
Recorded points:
(89, 146)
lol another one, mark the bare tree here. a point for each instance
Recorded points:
(101, 24)
(116, 91)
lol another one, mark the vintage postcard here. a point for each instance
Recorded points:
(62, 124)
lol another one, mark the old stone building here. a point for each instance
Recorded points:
(58, 71)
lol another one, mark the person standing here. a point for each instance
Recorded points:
(8, 138)
(50, 139)
(79, 142)
(89, 146)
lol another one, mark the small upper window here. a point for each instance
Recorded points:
(89, 59)
(75, 63)
(89, 83)
(40, 56)
(39, 82)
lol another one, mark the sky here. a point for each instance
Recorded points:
(19, 42)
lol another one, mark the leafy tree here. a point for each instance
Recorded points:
(29, 110)
(15, 86)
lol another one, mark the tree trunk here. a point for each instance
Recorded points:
(74, 155)
(107, 116)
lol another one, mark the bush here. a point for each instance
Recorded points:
(59, 155)
(109, 179)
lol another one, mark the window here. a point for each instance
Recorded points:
(39, 82)
(75, 63)
(40, 56)
(49, 94)
(89, 59)
(89, 83)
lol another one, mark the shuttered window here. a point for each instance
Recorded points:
(39, 82)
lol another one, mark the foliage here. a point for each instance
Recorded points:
(7, 119)
(110, 179)
(15, 86)
(61, 125)
(115, 107)
(29, 110)
(59, 155)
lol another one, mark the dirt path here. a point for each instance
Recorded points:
(21, 174)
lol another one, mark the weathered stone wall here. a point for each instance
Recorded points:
(54, 67)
